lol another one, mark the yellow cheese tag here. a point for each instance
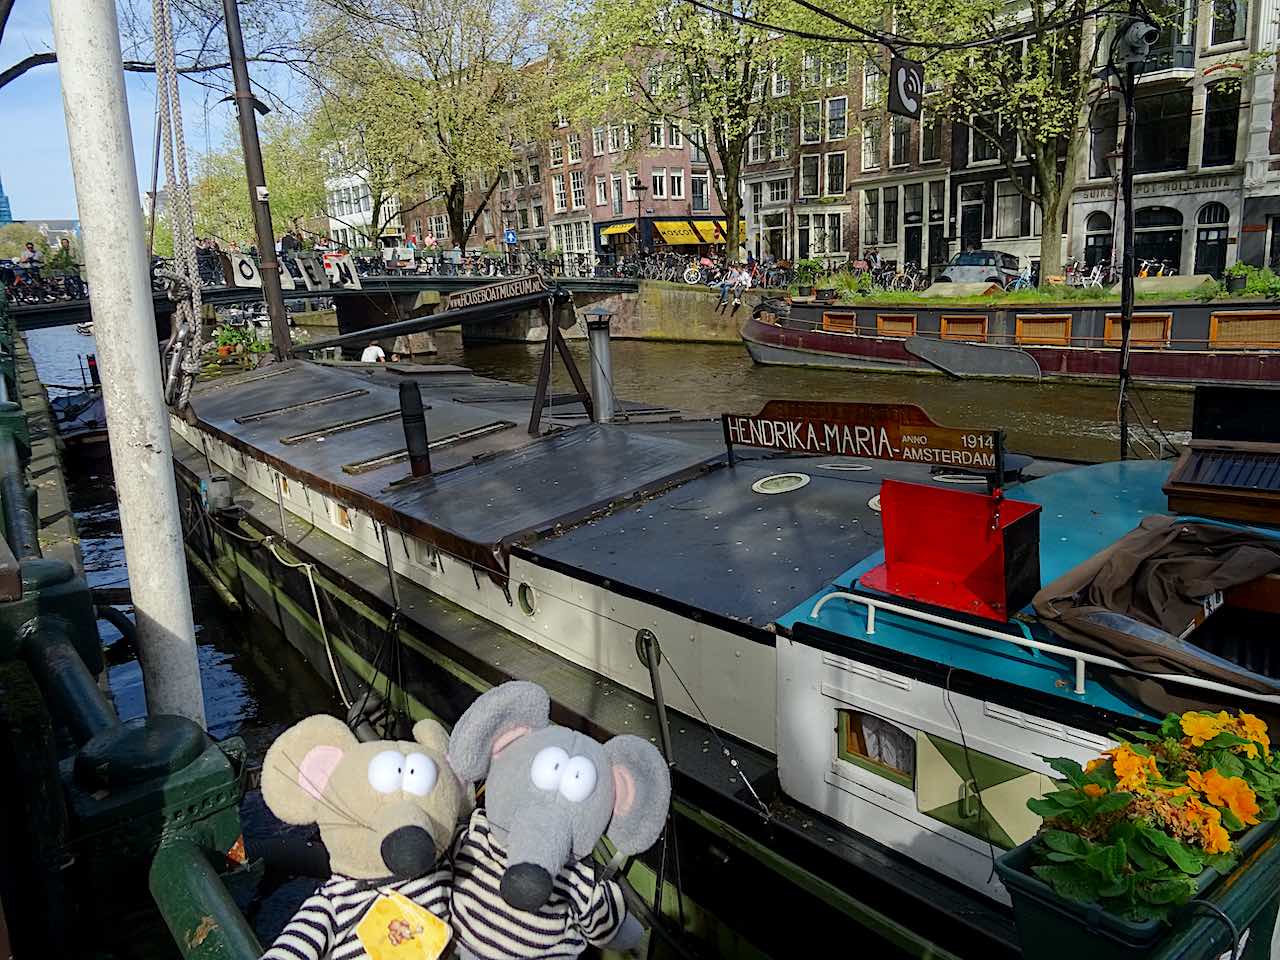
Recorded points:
(396, 928)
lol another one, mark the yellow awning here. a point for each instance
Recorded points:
(714, 230)
(616, 228)
(677, 232)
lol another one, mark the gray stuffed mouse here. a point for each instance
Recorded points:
(523, 887)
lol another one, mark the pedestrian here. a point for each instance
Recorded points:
(373, 353)
(31, 257)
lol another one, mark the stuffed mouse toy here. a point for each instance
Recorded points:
(387, 811)
(522, 887)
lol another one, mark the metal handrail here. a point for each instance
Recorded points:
(1080, 657)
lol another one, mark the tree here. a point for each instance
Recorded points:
(429, 98)
(14, 238)
(709, 71)
(295, 177)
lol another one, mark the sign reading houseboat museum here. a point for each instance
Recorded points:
(495, 292)
(876, 431)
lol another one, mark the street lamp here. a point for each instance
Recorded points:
(1115, 163)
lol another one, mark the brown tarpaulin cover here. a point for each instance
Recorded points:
(1132, 600)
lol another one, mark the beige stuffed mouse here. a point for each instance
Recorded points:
(387, 811)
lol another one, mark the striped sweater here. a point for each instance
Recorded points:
(324, 928)
(581, 910)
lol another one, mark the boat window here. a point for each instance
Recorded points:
(876, 745)
(1244, 329)
(1148, 329)
(964, 327)
(896, 324)
(1048, 328)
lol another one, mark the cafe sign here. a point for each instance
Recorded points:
(902, 433)
(495, 292)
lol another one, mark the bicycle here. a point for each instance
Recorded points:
(1022, 281)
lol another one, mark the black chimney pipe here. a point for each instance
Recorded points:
(415, 429)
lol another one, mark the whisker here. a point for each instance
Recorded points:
(331, 805)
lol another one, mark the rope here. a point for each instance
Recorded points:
(183, 282)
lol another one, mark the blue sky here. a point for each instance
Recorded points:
(34, 164)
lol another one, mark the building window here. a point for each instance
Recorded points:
(697, 148)
(1097, 239)
(834, 237)
(517, 174)
(781, 82)
(675, 181)
(615, 139)
(575, 148)
(658, 184)
(1103, 125)
(1211, 239)
(755, 144)
(616, 183)
(523, 217)
(871, 217)
(811, 71)
(900, 139)
(811, 122)
(675, 139)
(633, 181)
(561, 120)
(1008, 210)
(597, 142)
(930, 137)
(539, 218)
(913, 203)
(838, 69)
(700, 187)
(578, 182)
(602, 192)
(535, 172)
(1229, 20)
(779, 191)
(557, 192)
(871, 144)
(877, 746)
(1163, 134)
(1221, 118)
(809, 175)
(780, 142)
(628, 135)
(983, 134)
(557, 153)
(655, 135)
(757, 196)
(890, 231)
(871, 84)
(835, 174)
(837, 118)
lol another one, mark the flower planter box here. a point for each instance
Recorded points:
(1051, 927)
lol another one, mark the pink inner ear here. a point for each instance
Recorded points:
(507, 738)
(316, 769)
(624, 791)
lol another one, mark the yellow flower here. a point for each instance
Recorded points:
(1201, 727)
(1094, 764)
(1094, 789)
(1131, 768)
(1230, 792)
(1251, 728)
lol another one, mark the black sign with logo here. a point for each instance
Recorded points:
(906, 87)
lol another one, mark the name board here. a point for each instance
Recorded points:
(241, 270)
(341, 270)
(903, 433)
(495, 292)
(1165, 187)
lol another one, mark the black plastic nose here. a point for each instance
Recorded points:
(408, 851)
(526, 886)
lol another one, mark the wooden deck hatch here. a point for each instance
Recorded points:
(1231, 469)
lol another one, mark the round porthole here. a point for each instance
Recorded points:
(874, 503)
(527, 599)
(780, 483)
(844, 467)
(957, 478)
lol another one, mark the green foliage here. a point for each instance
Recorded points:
(14, 238)
(807, 272)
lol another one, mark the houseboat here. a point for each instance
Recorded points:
(840, 604)
(1175, 344)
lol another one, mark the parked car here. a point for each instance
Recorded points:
(981, 266)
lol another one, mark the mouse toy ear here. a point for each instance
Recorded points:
(431, 733)
(641, 793)
(297, 767)
(497, 719)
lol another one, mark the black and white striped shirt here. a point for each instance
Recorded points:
(324, 928)
(581, 910)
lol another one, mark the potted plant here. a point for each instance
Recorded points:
(1130, 838)
(806, 275)
(1237, 277)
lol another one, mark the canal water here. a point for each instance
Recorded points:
(255, 685)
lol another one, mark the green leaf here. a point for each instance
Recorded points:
(1140, 750)
(1069, 769)
(1182, 856)
(1169, 891)
(1140, 912)
(1112, 802)
(1171, 726)
(1228, 764)
(1232, 823)
(1071, 882)
(1108, 861)
(1224, 863)
(1068, 798)
(1065, 842)
(1046, 807)
(1056, 856)
(1118, 889)
(1226, 739)
(1131, 735)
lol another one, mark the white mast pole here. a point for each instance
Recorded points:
(115, 247)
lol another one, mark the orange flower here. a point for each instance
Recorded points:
(1131, 768)
(1201, 727)
(1094, 764)
(1230, 792)
(1251, 728)
(1094, 790)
